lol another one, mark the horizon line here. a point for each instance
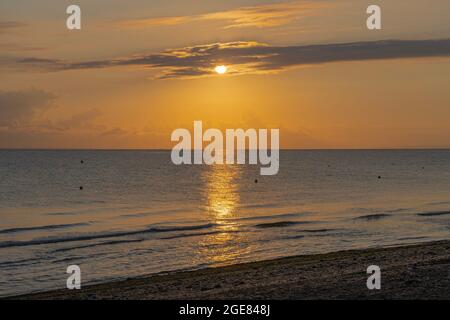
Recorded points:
(281, 149)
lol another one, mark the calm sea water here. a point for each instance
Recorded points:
(139, 214)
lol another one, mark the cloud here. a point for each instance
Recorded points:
(81, 120)
(268, 15)
(24, 123)
(25, 110)
(115, 132)
(19, 47)
(8, 25)
(254, 57)
(20, 107)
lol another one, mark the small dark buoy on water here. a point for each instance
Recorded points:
(81, 187)
(379, 177)
(81, 161)
(256, 180)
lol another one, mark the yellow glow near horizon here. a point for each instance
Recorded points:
(221, 69)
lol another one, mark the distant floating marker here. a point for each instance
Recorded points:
(256, 180)
(81, 187)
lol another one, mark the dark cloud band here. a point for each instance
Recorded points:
(253, 57)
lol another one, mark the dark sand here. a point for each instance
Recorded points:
(411, 272)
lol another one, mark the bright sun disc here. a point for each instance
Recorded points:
(221, 69)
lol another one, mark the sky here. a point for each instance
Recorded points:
(137, 70)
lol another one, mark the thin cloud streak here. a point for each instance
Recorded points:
(8, 25)
(268, 15)
(253, 57)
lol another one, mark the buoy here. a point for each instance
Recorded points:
(256, 180)
(81, 187)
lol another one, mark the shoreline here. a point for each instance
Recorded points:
(419, 271)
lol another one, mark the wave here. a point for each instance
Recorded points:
(149, 213)
(68, 213)
(185, 235)
(438, 203)
(20, 262)
(47, 227)
(181, 228)
(412, 238)
(434, 213)
(318, 230)
(398, 210)
(293, 237)
(113, 242)
(257, 206)
(279, 224)
(270, 217)
(41, 241)
(62, 213)
(376, 216)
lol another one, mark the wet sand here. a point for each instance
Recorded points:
(419, 271)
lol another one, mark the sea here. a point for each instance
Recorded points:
(131, 213)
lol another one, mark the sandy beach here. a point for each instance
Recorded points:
(409, 272)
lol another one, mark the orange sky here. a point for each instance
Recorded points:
(136, 72)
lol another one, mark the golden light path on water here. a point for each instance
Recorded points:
(222, 200)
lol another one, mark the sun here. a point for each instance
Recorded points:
(221, 69)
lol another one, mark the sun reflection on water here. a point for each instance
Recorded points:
(221, 202)
(221, 191)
